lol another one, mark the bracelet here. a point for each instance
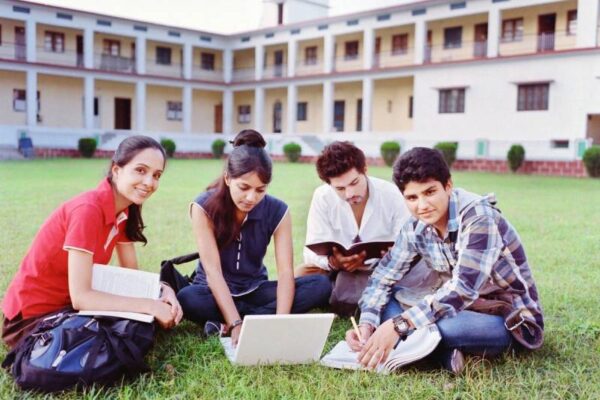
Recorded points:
(235, 323)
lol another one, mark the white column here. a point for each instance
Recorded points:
(30, 34)
(420, 41)
(228, 112)
(292, 54)
(367, 101)
(88, 102)
(328, 53)
(587, 21)
(140, 55)
(368, 47)
(188, 60)
(259, 109)
(259, 60)
(493, 40)
(292, 101)
(327, 106)
(140, 106)
(187, 109)
(227, 65)
(88, 48)
(31, 98)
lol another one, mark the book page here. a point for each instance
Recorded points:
(120, 314)
(125, 282)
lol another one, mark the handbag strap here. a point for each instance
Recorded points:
(182, 259)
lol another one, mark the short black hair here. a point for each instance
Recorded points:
(338, 158)
(420, 164)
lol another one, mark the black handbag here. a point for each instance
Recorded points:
(172, 277)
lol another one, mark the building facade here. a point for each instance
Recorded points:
(484, 73)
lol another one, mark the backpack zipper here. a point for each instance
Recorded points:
(58, 358)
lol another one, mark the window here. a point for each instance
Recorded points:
(310, 55)
(163, 55)
(452, 101)
(572, 22)
(400, 44)
(302, 111)
(174, 110)
(351, 49)
(244, 114)
(410, 107)
(207, 61)
(512, 30)
(453, 37)
(20, 100)
(111, 47)
(279, 13)
(54, 42)
(533, 96)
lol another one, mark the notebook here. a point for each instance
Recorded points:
(416, 346)
(279, 339)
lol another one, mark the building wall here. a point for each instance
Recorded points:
(270, 54)
(386, 58)
(7, 47)
(271, 97)
(203, 110)
(126, 45)
(243, 98)
(68, 57)
(107, 91)
(61, 101)
(313, 96)
(340, 63)
(390, 106)
(301, 67)
(10, 80)
(243, 59)
(156, 109)
(439, 53)
(198, 58)
(349, 93)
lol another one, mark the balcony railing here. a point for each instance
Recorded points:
(275, 71)
(13, 51)
(243, 74)
(537, 43)
(168, 70)
(348, 63)
(213, 75)
(69, 57)
(309, 67)
(394, 58)
(463, 51)
(107, 62)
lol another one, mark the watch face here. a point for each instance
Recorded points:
(401, 325)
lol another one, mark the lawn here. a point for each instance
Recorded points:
(557, 218)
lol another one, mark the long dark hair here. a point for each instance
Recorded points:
(126, 151)
(248, 155)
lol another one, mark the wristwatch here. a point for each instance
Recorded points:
(401, 326)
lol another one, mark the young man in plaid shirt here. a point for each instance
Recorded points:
(473, 247)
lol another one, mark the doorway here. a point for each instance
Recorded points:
(122, 113)
(428, 46)
(278, 71)
(359, 115)
(20, 44)
(339, 107)
(79, 49)
(481, 37)
(277, 117)
(219, 118)
(546, 29)
(377, 57)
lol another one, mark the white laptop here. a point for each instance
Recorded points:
(280, 339)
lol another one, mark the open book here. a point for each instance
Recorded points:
(124, 282)
(373, 249)
(416, 346)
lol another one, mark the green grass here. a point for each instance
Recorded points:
(557, 218)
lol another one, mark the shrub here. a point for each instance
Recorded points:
(169, 147)
(218, 148)
(292, 151)
(515, 157)
(389, 152)
(448, 150)
(87, 147)
(591, 160)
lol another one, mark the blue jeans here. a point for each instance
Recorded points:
(468, 331)
(199, 305)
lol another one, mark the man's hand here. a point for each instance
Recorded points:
(379, 345)
(350, 263)
(354, 341)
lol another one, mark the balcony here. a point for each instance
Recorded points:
(107, 62)
(348, 63)
(13, 51)
(243, 74)
(309, 67)
(536, 43)
(166, 70)
(392, 59)
(207, 74)
(69, 58)
(275, 71)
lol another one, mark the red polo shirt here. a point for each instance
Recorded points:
(88, 223)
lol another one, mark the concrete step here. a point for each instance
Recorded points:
(10, 153)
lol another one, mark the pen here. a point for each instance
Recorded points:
(356, 329)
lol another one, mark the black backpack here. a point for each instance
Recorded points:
(172, 277)
(67, 350)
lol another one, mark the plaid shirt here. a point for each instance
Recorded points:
(480, 245)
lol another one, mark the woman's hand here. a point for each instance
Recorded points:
(354, 341)
(235, 334)
(162, 313)
(379, 345)
(169, 297)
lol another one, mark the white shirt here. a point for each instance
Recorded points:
(330, 218)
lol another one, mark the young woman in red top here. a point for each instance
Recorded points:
(57, 269)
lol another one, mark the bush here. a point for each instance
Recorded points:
(292, 151)
(87, 147)
(389, 152)
(448, 150)
(591, 160)
(515, 157)
(218, 148)
(169, 147)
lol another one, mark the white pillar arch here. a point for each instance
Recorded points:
(140, 55)
(227, 65)
(31, 98)
(367, 104)
(328, 53)
(292, 101)
(228, 112)
(88, 48)
(259, 60)
(368, 47)
(30, 42)
(292, 54)
(140, 106)
(493, 40)
(188, 60)
(187, 109)
(420, 41)
(88, 102)
(259, 109)
(327, 106)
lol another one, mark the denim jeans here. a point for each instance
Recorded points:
(468, 331)
(199, 305)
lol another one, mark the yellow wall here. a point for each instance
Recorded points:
(466, 51)
(271, 96)
(198, 58)
(243, 58)
(349, 93)
(203, 110)
(301, 68)
(386, 58)
(340, 49)
(391, 104)
(61, 101)
(156, 109)
(313, 95)
(176, 51)
(7, 48)
(68, 57)
(107, 91)
(126, 44)
(244, 98)
(8, 81)
(270, 54)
